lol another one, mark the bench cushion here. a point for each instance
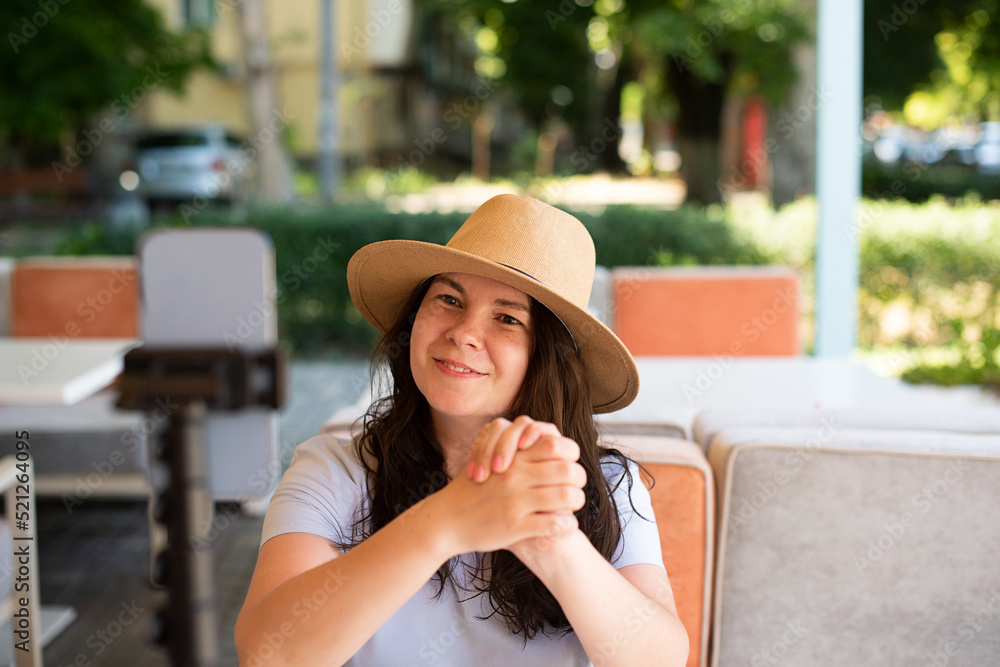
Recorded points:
(87, 297)
(701, 311)
(876, 547)
(952, 419)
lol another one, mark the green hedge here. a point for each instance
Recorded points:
(315, 311)
(929, 281)
(929, 295)
(919, 183)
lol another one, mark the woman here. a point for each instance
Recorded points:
(476, 519)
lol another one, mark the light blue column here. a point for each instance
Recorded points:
(838, 174)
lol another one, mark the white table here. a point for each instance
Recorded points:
(58, 371)
(673, 390)
(55, 372)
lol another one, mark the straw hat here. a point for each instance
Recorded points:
(522, 242)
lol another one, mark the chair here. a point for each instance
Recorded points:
(703, 311)
(87, 297)
(87, 449)
(216, 288)
(856, 547)
(683, 502)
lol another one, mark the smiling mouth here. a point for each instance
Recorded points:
(457, 369)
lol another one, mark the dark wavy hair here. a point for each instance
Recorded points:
(404, 461)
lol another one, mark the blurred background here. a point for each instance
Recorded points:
(681, 132)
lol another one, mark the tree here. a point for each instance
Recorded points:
(688, 54)
(949, 49)
(707, 48)
(275, 174)
(532, 49)
(64, 61)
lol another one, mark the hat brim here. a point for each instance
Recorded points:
(381, 276)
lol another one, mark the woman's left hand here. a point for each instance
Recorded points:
(498, 441)
(534, 551)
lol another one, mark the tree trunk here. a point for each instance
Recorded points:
(792, 131)
(699, 125)
(610, 160)
(267, 117)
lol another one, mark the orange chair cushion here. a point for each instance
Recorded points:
(75, 297)
(683, 501)
(678, 499)
(703, 311)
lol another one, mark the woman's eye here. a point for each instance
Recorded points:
(507, 319)
(448, 299)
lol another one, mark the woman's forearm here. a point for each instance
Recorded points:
(616, 623)
(296, 624)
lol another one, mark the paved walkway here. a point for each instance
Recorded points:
(317, 390)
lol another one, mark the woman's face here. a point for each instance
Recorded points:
(470, 346)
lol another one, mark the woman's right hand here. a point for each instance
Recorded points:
(535, 497)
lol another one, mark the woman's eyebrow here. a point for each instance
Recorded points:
(503, 303)
(451, 283)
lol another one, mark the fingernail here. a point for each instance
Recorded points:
(480, 473)
(471, 472)
(498, 463)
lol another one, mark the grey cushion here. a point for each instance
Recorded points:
(861, 547)
(952, 419)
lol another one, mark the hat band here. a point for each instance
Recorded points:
(572, 338)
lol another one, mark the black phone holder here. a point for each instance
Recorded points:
(190, 382)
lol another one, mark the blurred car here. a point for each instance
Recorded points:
(988, 149)
(202, 162)
(959, 144)
(892, 143)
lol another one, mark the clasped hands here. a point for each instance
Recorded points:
(518, 492)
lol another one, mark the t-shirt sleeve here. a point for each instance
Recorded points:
(320, 493)
(640, 540)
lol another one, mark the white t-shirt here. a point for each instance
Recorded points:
(321, 494)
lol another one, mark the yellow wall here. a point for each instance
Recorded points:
(294, 27)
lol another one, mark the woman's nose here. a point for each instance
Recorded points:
(467, 330)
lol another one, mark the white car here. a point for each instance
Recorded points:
(193, 163)
(988, 148)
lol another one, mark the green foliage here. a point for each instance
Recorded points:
(720, 40)
(631, 236)
(901, 46)
(918, 183)
(375, 184)
(929, 279)
(314, 307)
(64, 61)
(977, 363)
(541, 45)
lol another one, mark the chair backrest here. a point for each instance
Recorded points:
(74, 297)
(683, 502)
(216, 287)
(856, 547)
(959, 419)
(705, 310)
